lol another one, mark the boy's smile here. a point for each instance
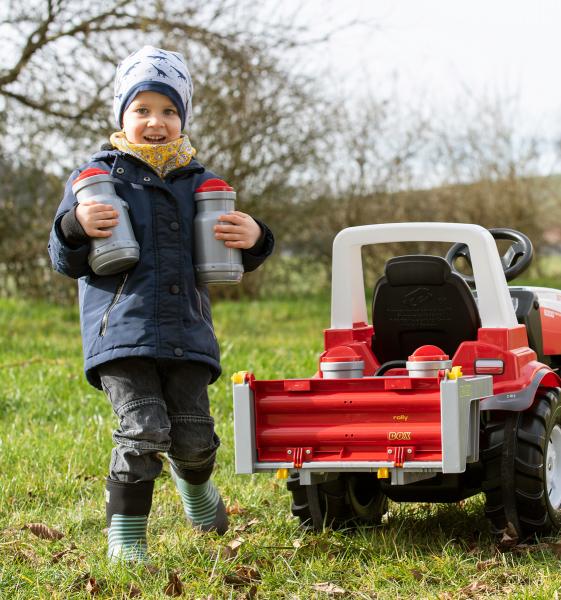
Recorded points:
(151, 118)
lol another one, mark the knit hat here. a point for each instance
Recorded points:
(156, 70)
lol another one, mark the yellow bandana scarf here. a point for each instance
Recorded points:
(163, 158)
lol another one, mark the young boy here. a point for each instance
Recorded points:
(147, 334)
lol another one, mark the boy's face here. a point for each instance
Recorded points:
(151, 118)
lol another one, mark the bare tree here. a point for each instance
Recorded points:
(492, 172)
(393, 165)
(368, 157)
(60, 55)
(255, 122)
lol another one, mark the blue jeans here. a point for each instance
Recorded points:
(163, 407)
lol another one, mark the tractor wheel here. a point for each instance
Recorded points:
(522, 462)
(350, 498)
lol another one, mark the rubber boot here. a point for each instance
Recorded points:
(127, 507)
(202, 503)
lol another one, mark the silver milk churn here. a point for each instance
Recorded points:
(120, 251)
(214, 262)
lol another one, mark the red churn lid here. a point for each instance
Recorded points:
(424, 353)
(214, 185)
(340, 354)
(89, 173)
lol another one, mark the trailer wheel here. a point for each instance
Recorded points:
(351, 498)
(522, 461)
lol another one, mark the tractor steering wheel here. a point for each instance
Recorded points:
(514, 260)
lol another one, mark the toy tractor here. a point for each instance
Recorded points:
(450, 392)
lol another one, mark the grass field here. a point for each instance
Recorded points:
(55, 440)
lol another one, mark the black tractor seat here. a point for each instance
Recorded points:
(420, 301)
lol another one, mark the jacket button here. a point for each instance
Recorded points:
(174, 289)
(178, 351)
(120, 170)
(174, 226)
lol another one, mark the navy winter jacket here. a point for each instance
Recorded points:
(155, 309)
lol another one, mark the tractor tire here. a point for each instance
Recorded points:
(522, 465)
(350, 499)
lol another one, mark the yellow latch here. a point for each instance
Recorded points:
(239, 377)
(455, 373)
(383, 473)
(281, 474)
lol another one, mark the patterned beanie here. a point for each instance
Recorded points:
(156, 70)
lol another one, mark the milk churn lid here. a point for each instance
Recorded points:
(340, 354)
(214, 185)
(89, 173)
(424, 353)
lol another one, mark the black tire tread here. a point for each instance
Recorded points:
(513, 452)
(492, 439)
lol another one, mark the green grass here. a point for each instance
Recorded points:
(55, 441)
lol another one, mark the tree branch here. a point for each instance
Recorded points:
(45, 107)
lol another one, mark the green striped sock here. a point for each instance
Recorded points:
(127, 538)
(203, 505)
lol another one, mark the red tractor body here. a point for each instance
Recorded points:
(425, 404)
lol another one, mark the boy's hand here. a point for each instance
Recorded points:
(95, 218)
(238, 230)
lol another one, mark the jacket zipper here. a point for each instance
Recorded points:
(203, 314)
(116, 298)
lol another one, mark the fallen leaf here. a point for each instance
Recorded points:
(555, 547)
(477, 586)
(174, 586)
(473, 548)
(132, 591)
(243, 526)
(243, 575)
(509, 537)
(42, 531)
(234, 509)
(92, 587)
(264, 563)
(80, 581)
(152, 569)
(249, 594)
(231, 549)
(250, 572)
(328, 588)
(27, 555)
(483, 565)
(233, 579)
(511, 530)
(59, 555)
(474, 589)
(508, 590)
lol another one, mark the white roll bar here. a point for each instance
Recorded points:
(348, 304)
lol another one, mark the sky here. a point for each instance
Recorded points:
(438, 50)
